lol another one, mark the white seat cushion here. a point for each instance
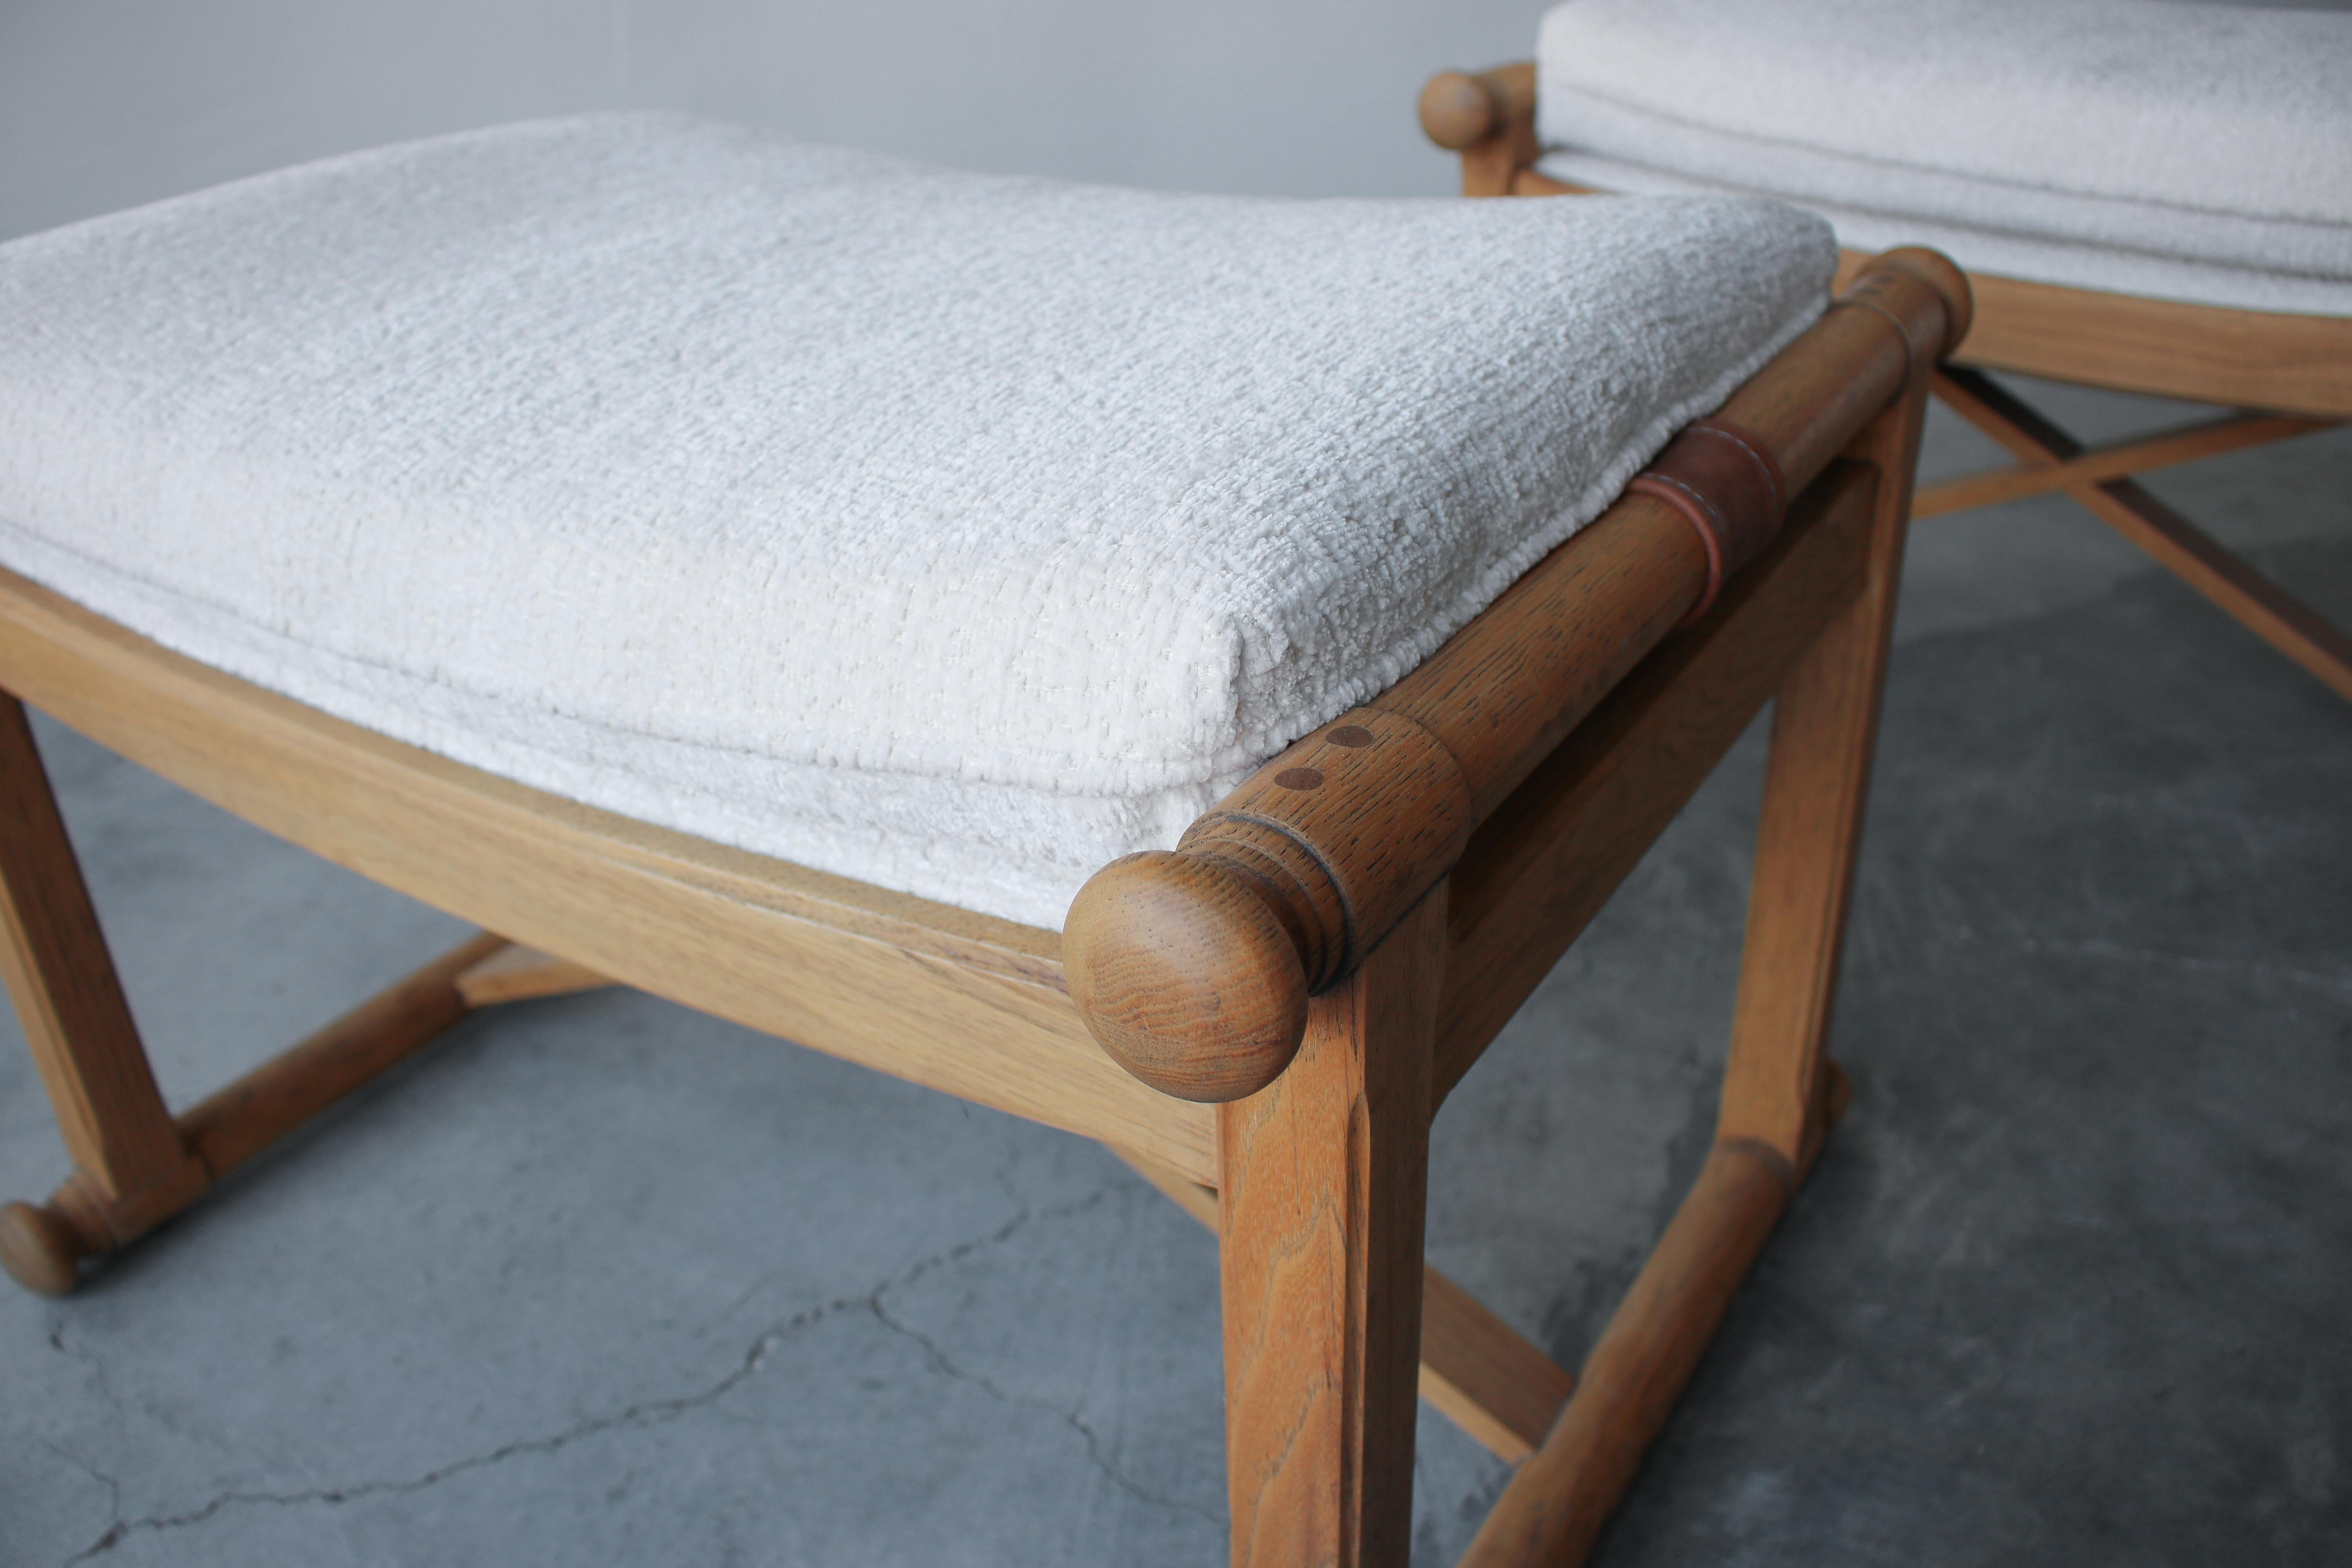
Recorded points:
(958, 533)
(2188, 152)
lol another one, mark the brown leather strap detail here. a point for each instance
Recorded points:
(1728, 484)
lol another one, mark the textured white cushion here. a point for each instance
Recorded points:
(958, 534)
(2189, 151)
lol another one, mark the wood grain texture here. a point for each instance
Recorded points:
(1816, 785)
(516, 974)
(110, 1112)
(961, 1002)
(1502, 692)
(1193, 969)
(1323, 1191)
(1475, 1368)
(2166, 348)
(1554, 1506)
(1186, 975)
(1780, 1091)
(1345, 829)
(1919, 304)
(1541, 867)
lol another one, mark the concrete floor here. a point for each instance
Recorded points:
(606, 1282)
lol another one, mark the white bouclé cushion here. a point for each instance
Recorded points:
(955, 532)
(2191, 152)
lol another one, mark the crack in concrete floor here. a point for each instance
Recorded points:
(1887, 1377)
(771, 1338)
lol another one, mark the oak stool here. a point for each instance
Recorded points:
(1180, 668)
(2153, 198)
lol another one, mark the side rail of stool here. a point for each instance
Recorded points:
(1322, 958)
(1193, 967)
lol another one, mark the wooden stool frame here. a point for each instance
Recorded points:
(1478, 815)
(2285, 376)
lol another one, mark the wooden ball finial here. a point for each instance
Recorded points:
(39, 1249)
(1185, 976)
(1457, 111)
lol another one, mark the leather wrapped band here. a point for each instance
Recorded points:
(1728, 483)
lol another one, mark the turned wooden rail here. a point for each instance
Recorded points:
(1193, 967)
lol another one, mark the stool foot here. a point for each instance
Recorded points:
(40, 1248)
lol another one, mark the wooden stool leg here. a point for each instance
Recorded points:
(1325, 1179)
(135, 1165)
(42, 1247)
(1779, 1093)
(129, 1160)
(1816, 781)
(1475, 1367)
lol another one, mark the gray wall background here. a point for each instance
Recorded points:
(106, 103)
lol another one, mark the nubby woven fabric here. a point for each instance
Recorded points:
(2183, 150)
(958, 534)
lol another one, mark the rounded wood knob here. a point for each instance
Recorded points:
(1185, 976)
(1457, 111)
(40, 1250)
